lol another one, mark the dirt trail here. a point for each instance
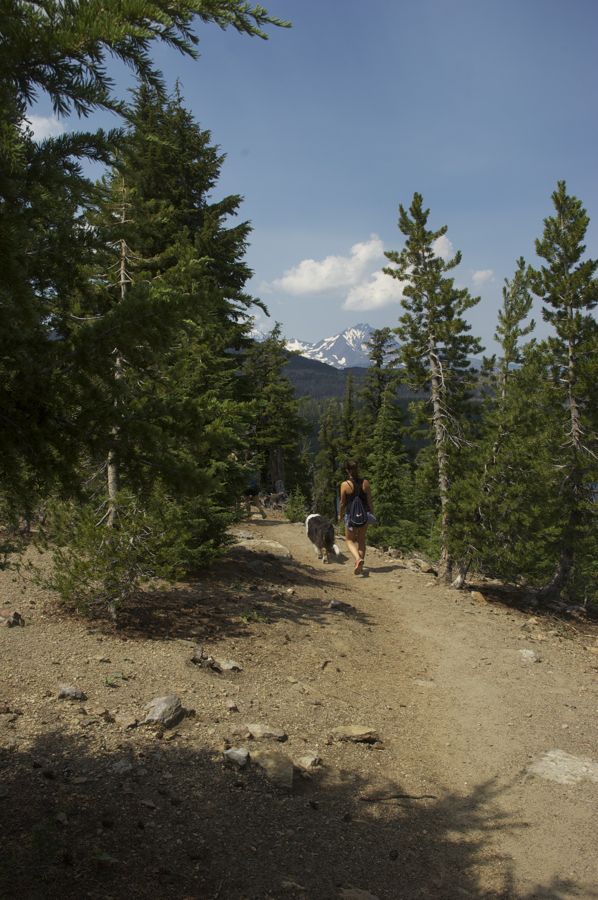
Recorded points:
(483, 784)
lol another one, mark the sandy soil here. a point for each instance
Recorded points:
(483, 782)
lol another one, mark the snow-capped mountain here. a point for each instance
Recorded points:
(341, 350)
(344, 350)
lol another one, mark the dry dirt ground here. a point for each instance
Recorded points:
(483, 781)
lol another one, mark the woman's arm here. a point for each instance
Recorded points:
(343, 505)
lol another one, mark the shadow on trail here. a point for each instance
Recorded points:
(159, 820)
(246, 587)
(523, 600)
(390, 568)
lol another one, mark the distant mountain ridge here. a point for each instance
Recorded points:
(346, 350)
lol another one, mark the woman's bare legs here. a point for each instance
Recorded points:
(355, 540)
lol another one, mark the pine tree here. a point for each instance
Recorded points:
(378, 376)
(482, 473)
(514, 502)
(328, 463)
(568, 286)
(382, 353)
(348, 421)
(61, 50)
(278, 429)
(435, 343)
(166, 298)
(391, 478)
(158, 337)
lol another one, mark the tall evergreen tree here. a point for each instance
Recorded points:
(60, 50)
(382, 354)
(168, 286)
(568, 287)
(349, 420)
(328, 463)
(391, 477)
(158, 334)
(494, 463)
(435, 343)
(377, 377)
(278, 430)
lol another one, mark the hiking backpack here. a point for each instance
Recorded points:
(358, 512)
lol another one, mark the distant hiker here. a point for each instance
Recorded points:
(251, 494)
(357, 510)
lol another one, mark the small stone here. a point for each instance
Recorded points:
(266, 732)
(358, 734)
(423, 566)
(226, 665)
(200, 658)
(62, 818)
(13, 620)
(309, 761)
(206, 661)
(68, 692)
(529, 656)
(166, 711)
(239, 756)
(232, 706)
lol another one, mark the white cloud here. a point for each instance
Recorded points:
(313, 276)
(443, 248)
(482, 276)
(381, 290)
(45, 127)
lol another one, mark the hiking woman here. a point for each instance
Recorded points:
(355, 533)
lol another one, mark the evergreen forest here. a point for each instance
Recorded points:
(136, 408)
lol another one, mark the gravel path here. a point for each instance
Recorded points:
(479, 777)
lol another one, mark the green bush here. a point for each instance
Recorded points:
(97, 569)
(402, 536)
(296, 508)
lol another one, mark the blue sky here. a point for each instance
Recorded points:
(480, 106)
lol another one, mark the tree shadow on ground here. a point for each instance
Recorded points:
(247, 586)
(522, 599)
(155, 820)
(390, 568)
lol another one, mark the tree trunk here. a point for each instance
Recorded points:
(277, 470)
(445, 566)
(459, 582)
(112, 486)
(112, 468)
